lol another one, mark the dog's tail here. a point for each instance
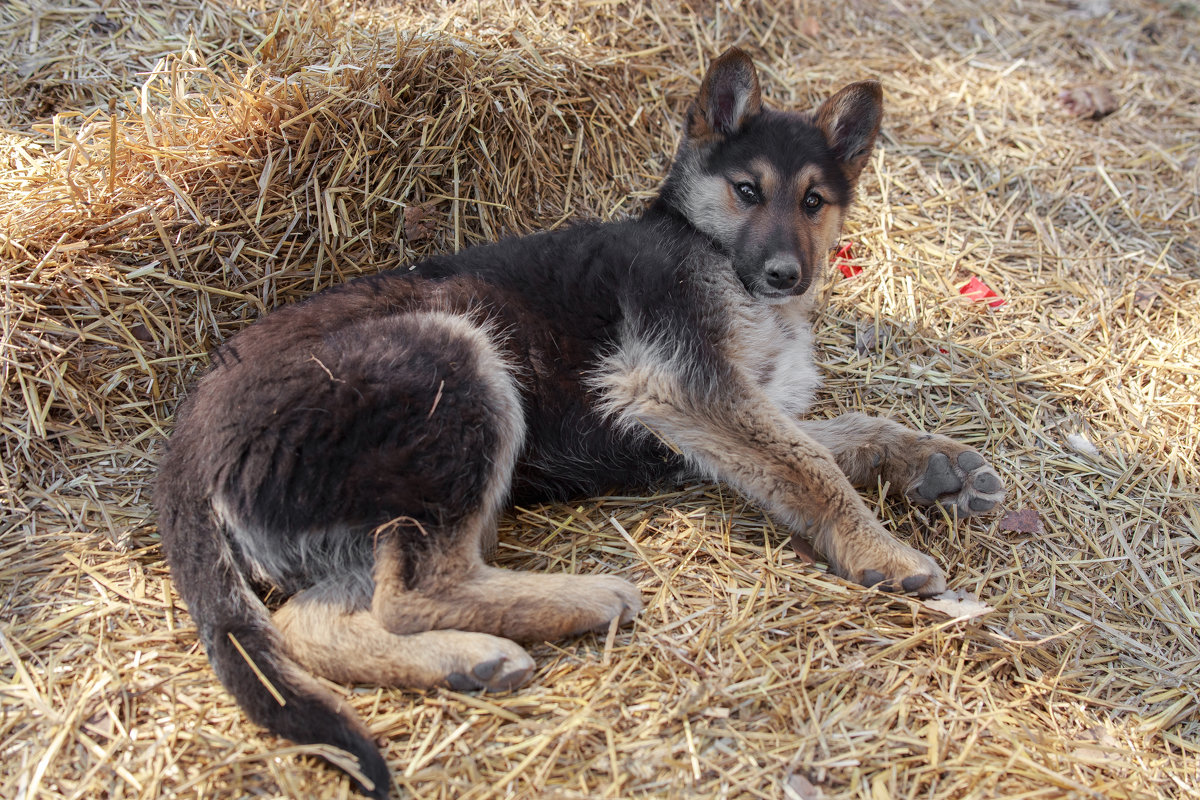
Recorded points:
(247, 651)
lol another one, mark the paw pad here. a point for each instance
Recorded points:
(966, 484)
(939, 478)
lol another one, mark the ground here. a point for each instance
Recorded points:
(169, 172)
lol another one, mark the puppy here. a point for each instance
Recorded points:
(353, 451)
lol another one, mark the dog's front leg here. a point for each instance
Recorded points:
(927, 468)
(737, 435)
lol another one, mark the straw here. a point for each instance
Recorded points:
(169, 174)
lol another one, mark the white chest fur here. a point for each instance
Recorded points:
(774, 347)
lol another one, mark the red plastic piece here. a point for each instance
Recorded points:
(842, 257)
(979, 291)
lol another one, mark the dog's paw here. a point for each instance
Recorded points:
(900, 569)
(491, 663)
(592, 602)
(868, 555)
(958, 478)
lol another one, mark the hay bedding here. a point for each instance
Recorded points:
(254, 153)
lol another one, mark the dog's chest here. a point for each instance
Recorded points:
(775, 350)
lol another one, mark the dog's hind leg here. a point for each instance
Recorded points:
(460, 636)
(927, 468)
(437, 423)
(429, 573)
(461, 592)
(349, 644)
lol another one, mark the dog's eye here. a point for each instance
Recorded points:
(748, 191)
(813, 201)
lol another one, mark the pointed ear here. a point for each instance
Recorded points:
(850, 120)
(728, 96)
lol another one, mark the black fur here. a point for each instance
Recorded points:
(205, 576)
(558, 300)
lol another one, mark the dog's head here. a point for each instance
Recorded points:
(771, 188)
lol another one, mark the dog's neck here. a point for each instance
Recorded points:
(672, 221)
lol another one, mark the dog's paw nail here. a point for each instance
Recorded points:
(871, 578)
(461, 683)
(914, 582)
(510, 680)
(487, 670)
(939, 478)
(970, 461)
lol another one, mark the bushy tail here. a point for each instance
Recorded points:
(246, 650)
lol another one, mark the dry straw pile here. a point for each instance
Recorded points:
(171, 171)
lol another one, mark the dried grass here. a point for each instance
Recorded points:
(169, 173)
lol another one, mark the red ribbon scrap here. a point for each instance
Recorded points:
(842, 258)
(974, 289)
(979, 291)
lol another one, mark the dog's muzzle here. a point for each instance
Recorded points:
(785, 276)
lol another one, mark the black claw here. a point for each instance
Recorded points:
(988, 482)
(980, 504)
(914, 582)
(511, 681)
(939, 478)
(487, 670)
(871, 578)
(970, 461)
(461, 683)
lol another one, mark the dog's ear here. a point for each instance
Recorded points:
(850, 120)
(728, 95)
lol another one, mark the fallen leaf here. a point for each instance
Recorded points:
(959, 604)
(1098, 746)
(804, 550)
(102, 24)
(866, 338)
(1027, 520)
(419, 225)
(1145, 294)
(1089, 101)
(798, 787)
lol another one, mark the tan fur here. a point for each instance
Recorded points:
(461, 592)
(458, 621)
(745, 440)
(871, 450)
(354, 647)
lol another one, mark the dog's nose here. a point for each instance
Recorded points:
(782, 274)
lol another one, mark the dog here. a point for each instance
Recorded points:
(353, 452)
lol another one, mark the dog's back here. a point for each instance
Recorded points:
(558, 302)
